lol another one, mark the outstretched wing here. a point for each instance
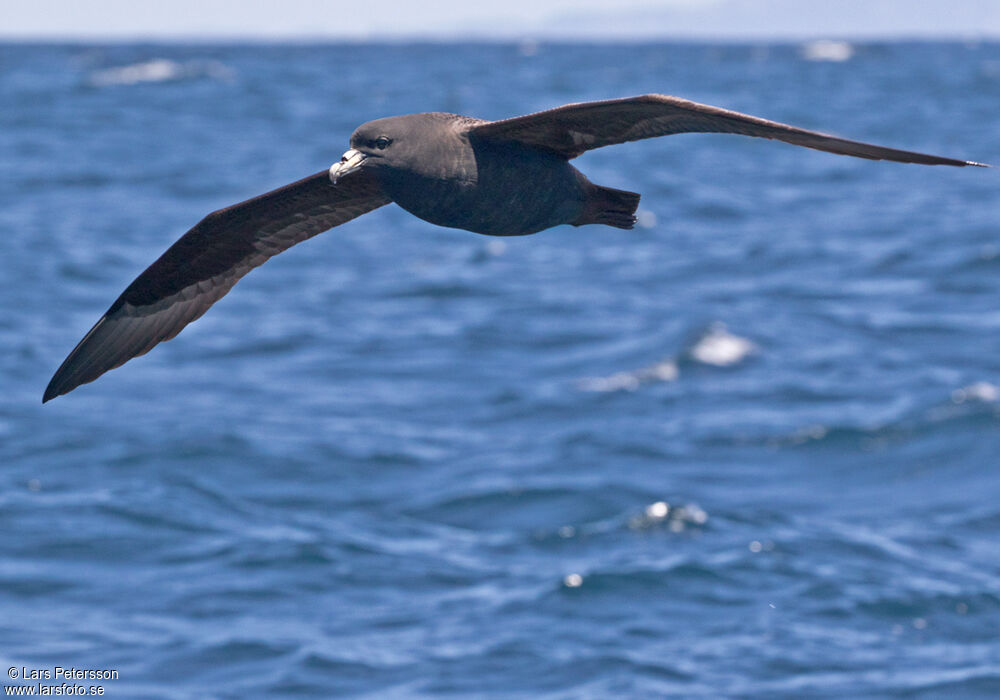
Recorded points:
(201, 267)
(575, 128)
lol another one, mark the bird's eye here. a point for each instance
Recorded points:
(382, 142)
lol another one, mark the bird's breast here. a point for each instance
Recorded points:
(499, 191)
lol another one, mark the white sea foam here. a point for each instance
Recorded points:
(721, 348)
(675, 518)
(663, 371)
(827, 50)
(159, 70)
(717, 347)
(980, 391)
(645, 218)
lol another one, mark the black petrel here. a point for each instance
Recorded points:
(504, 178)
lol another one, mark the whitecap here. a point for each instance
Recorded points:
(717, 347)
(159, 70)
(720, 348)
(827, 50)
(619, 381)
(663, 371)
(644, 218)
(674, 518)
(496, 247)
(980, 391)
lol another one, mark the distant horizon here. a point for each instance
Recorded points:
(454, 21)
(304, 40)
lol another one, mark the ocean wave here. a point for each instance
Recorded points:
(674, 518)
(663, 371)
(411, 496)
(984, 392)
(716, 347)
(160, 70)
(827, 50)
(720, 348)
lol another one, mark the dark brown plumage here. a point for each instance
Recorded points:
(509, 177)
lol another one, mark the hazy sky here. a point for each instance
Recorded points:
(281, 19)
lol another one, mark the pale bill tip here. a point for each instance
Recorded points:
(349, 162)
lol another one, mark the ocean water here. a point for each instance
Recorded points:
(748, 449)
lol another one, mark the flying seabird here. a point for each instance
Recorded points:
(503, 178)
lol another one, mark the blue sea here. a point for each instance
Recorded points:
(749, 449)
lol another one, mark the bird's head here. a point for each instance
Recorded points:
(403, 143)
(373, 144)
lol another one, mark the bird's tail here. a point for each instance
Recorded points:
(608, 206)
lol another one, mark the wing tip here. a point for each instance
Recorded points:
(62, 382)
(51, 392)
(69, 376)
